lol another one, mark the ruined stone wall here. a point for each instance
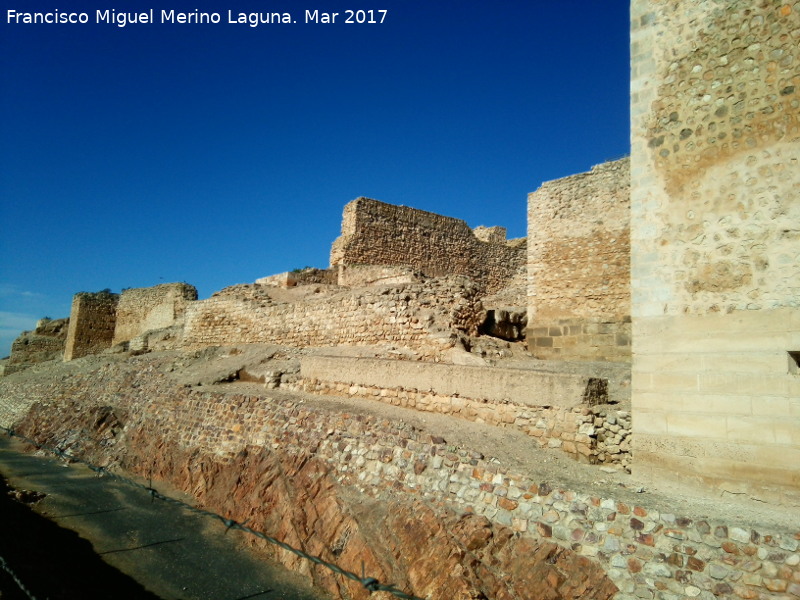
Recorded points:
(375, 233)
(556, 409)
(306, 276)
(362, 275)
(512, 296)
(579, 266)
(423, 316)
(144, 309)
(647, 550)
(44, 343)
(715, 166)
(91, 324)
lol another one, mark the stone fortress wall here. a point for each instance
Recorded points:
(144, 309)
(101, 320)
(706, 208)
(649, 550)
(91, 324)
(422, 316)
(579, 266)
(376, 233)
(715, 244)
(45, 342)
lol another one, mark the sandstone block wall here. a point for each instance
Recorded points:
(715, 241)
(144, 309)
(376, 233)
(425, 316)
(91, 324)
(578, 266)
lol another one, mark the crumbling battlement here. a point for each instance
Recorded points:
(579, 265)
(306, 276)
(44, 343)
(91, 324)
(144, 309)
(376, 233)
(101, 320)
(426, 317)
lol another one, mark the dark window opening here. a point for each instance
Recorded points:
(794, 362)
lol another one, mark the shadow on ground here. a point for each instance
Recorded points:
(53, 562)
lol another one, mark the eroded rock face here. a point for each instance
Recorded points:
(424, 549)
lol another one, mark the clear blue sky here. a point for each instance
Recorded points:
(217, 154)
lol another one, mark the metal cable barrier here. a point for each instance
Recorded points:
(7, 569)
(370, 583)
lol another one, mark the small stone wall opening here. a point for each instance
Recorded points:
(794, 362)
(596, 391)
(507, 325)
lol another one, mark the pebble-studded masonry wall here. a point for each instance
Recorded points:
(716, 116)
(587, 434)
(144, 309)
(648, 553)
(578, 265)
(715, 243)
(426, 317)
(91, 323)
(376, 233)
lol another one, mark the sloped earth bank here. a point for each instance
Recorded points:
(79, 536)
(426, 550)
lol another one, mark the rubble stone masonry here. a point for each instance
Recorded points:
(715, 243)
(422, 316)
(376, 233)
(579, 266)
(144, 309)
(649, 550)
(44, 343)
(91, 324)
(306, 276)
(556, 409)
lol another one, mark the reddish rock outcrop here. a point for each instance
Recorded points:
(428, 550)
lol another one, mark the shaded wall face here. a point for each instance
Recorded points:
(144, 309)
(715, 248)
(579, 265)
(91, 324)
